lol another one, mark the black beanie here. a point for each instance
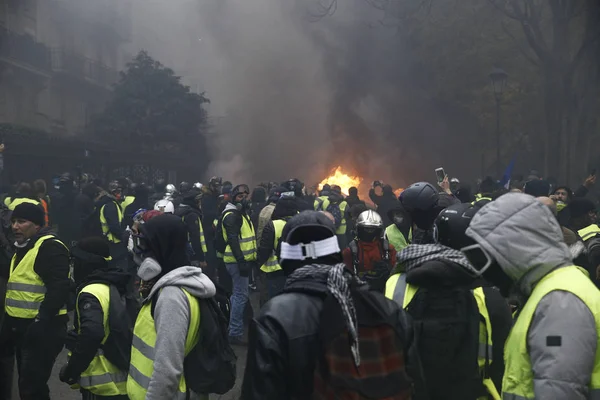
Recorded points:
(95, 245)
(29, 212)
(537, 188)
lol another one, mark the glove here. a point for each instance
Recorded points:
(64, 376)
(245, 269)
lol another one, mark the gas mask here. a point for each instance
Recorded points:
(487, 267)
(368, 233)
(242, 204)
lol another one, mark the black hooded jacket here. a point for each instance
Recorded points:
(166, 237)
(386, 202)
(90, 323)
(192, 218)
(438, 273)
(259, 201)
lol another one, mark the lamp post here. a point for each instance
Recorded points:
(498, 77)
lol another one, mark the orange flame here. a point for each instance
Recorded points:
(398, 191)
(345, 181)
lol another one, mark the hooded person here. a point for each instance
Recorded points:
(337, 206)
(167, 326)
(386, 202)
(259, 201)
(266, 256)
(265, 214)
(110, 216)
(399, 233)
(96, 363)
(439, 276)
(520, 249)
(284, 339)
(191, 215)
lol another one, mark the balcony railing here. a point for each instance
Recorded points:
(24, 49)
(83, 68)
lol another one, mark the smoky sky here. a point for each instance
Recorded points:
(292, 96)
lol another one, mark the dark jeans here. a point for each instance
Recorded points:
(35, 356)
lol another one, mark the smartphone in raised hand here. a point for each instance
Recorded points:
(440, 175)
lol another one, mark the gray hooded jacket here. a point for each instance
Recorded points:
(523, 236)
(171, 320)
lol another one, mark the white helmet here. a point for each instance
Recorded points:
(170, 189)
(370, 219)
(198, 185)
(164, 206)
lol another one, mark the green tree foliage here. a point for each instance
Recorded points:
(151, 109)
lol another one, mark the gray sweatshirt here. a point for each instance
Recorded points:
(171, 320)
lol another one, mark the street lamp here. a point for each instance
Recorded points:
(498, 77)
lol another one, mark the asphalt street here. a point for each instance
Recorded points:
(61, 391)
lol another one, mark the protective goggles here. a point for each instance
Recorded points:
(473, 249)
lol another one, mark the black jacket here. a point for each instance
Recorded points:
(90, 323)
(436, 273)
(192, 217)
(52, 265)
(232, 223)
(111, 214)
(384, 203)
(210, 211)
(66, 214)
(284, 346)
(267, 244)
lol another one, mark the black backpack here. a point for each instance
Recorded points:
(446, 323)
(211, 365)
(122, 313)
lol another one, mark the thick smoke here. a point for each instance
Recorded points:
(292, 96)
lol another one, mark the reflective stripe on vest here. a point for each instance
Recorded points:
(588, 232)
(272, 263)
(518, 375)
(22, 200)
(105, 230)
(142, 349)
(215, 224)
(247, 240)
(25, 289)
(396, 238)
(101, 377)
(401, 292)
(7, 201)
(202, 237)
(341, 230)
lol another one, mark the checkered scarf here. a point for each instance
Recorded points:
(338, 281)
(417, 254)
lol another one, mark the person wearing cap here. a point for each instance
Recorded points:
(583, 221)
(35, 320)
(97, 364)
(284, 343)
(553, 349)
(239, 256)
(167, 326)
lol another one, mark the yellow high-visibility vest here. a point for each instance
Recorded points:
(101, 377)
(518, 375)
(105, 230)
(272, 264)
(13, 204)
(247, 241)
(341, 230)
(25, 290)
(142, 350)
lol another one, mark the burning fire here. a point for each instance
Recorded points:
(345, 181)
(398, 191)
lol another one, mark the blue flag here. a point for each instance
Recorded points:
(505, 181)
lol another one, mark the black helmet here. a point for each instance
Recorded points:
(419, 196)
(452, 224)
(184, 187)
